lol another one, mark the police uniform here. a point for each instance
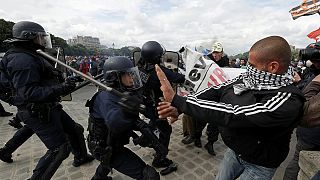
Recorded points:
(107, 111)
(151, 54)
(110, 128)
(38, 87)
(152, 92)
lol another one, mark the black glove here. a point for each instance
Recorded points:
(65, 88)
(182, 49)
(131, 104)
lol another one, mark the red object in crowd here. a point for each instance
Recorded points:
(84, 67)
(314, 35)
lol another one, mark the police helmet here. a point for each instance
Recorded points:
(151, 52)
(24, 31)
(115, 68)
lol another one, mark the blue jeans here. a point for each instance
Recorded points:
(316, 176)
(233, 167)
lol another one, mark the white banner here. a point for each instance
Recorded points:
(202, 73)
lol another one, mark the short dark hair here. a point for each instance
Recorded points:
(273, 48)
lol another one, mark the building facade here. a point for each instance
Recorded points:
(87, 41)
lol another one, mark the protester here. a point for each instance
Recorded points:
(188, 128)
(84, 66)
(93, 66)
(256, 111)
(311, 117)
(307, 138)
(217, 55)
(243, 63)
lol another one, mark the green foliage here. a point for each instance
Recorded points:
(5, 33)
(242, 56)
(295, 54)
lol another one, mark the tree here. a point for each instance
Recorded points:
(5, 33)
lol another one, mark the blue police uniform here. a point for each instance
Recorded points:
(37, 90)
(105, 108)
(152, 92)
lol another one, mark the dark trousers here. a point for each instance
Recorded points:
(163, 126)
(21, 136)
(212, 130)
(55, 133)
(124, 161)
(292, 170)
(188, 125)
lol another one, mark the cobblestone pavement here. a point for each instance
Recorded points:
(193, 163)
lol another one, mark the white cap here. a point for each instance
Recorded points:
(217, 47)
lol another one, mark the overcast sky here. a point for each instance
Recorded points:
(173, 23)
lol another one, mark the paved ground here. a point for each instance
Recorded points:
(193, 163)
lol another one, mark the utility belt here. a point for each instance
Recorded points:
(41, 111)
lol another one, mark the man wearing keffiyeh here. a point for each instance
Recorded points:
(256, 112)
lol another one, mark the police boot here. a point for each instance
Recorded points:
(161, 162)
(98, 178)
(5, 155)
(149, 173)
(79, 148)
(83, 160)
(197, 143)
(209, 148)
(14, 122)
(188, 140)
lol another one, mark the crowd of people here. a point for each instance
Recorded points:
(255, 113)
(92, 65)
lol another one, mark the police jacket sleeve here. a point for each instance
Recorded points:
(26, 79)
(311, 115)
(277, 110)
(173, 77)
(113, 116)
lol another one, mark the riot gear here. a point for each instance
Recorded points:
(151, 52)
(116, 68)
(38, 87)
(26, 31)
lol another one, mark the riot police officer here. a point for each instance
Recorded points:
(151, 54)
(110, 126)
(38, 87)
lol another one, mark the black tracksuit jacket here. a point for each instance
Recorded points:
(256, 125)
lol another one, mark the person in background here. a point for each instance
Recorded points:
(307, 138)
(243, 63)
(217, 55)
(84, 66)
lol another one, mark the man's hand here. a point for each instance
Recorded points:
(166, 88)
(68, 86)
(165, 110)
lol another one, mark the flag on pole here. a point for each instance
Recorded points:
(305, 9)
(314, 34)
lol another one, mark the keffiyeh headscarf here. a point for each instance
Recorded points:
(255, 79)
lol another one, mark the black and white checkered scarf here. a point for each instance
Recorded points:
(255, 79)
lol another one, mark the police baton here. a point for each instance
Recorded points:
(111, 90)
(87, 82)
